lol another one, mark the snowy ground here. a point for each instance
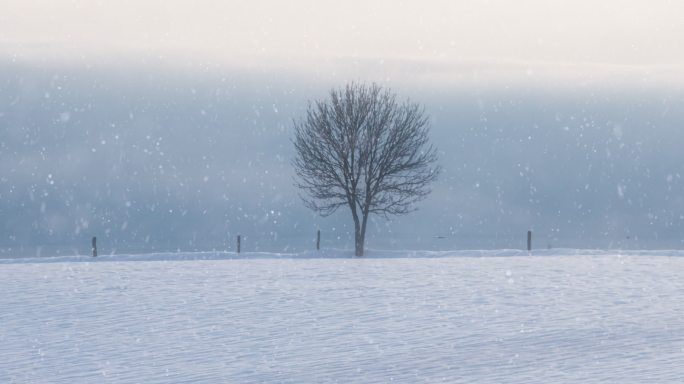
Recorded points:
(499, 317)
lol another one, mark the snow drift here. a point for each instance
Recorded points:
(500, 317)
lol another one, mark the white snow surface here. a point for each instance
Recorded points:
(559, 316)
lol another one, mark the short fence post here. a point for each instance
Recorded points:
(318, 240)
(94, 246)
(238, 244)
(529, 240)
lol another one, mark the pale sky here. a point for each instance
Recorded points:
(167, 124)
(570, 36)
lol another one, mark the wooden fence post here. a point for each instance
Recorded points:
(94, 246)
(318, 240)
(238, 244)
(529, 240)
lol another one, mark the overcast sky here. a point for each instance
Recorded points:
(575, 38)
(164, 125)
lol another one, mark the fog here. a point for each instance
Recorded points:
(157, 158)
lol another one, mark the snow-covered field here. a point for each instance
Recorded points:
(457, 317)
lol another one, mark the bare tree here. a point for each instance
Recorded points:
(362, 149)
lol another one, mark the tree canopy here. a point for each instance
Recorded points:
(363, 149)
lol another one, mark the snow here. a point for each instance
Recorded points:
(554, 316)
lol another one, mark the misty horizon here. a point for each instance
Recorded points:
(170, 160)
(159, 126)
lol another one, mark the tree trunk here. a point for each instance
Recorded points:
(360, 233)
(358, 237)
